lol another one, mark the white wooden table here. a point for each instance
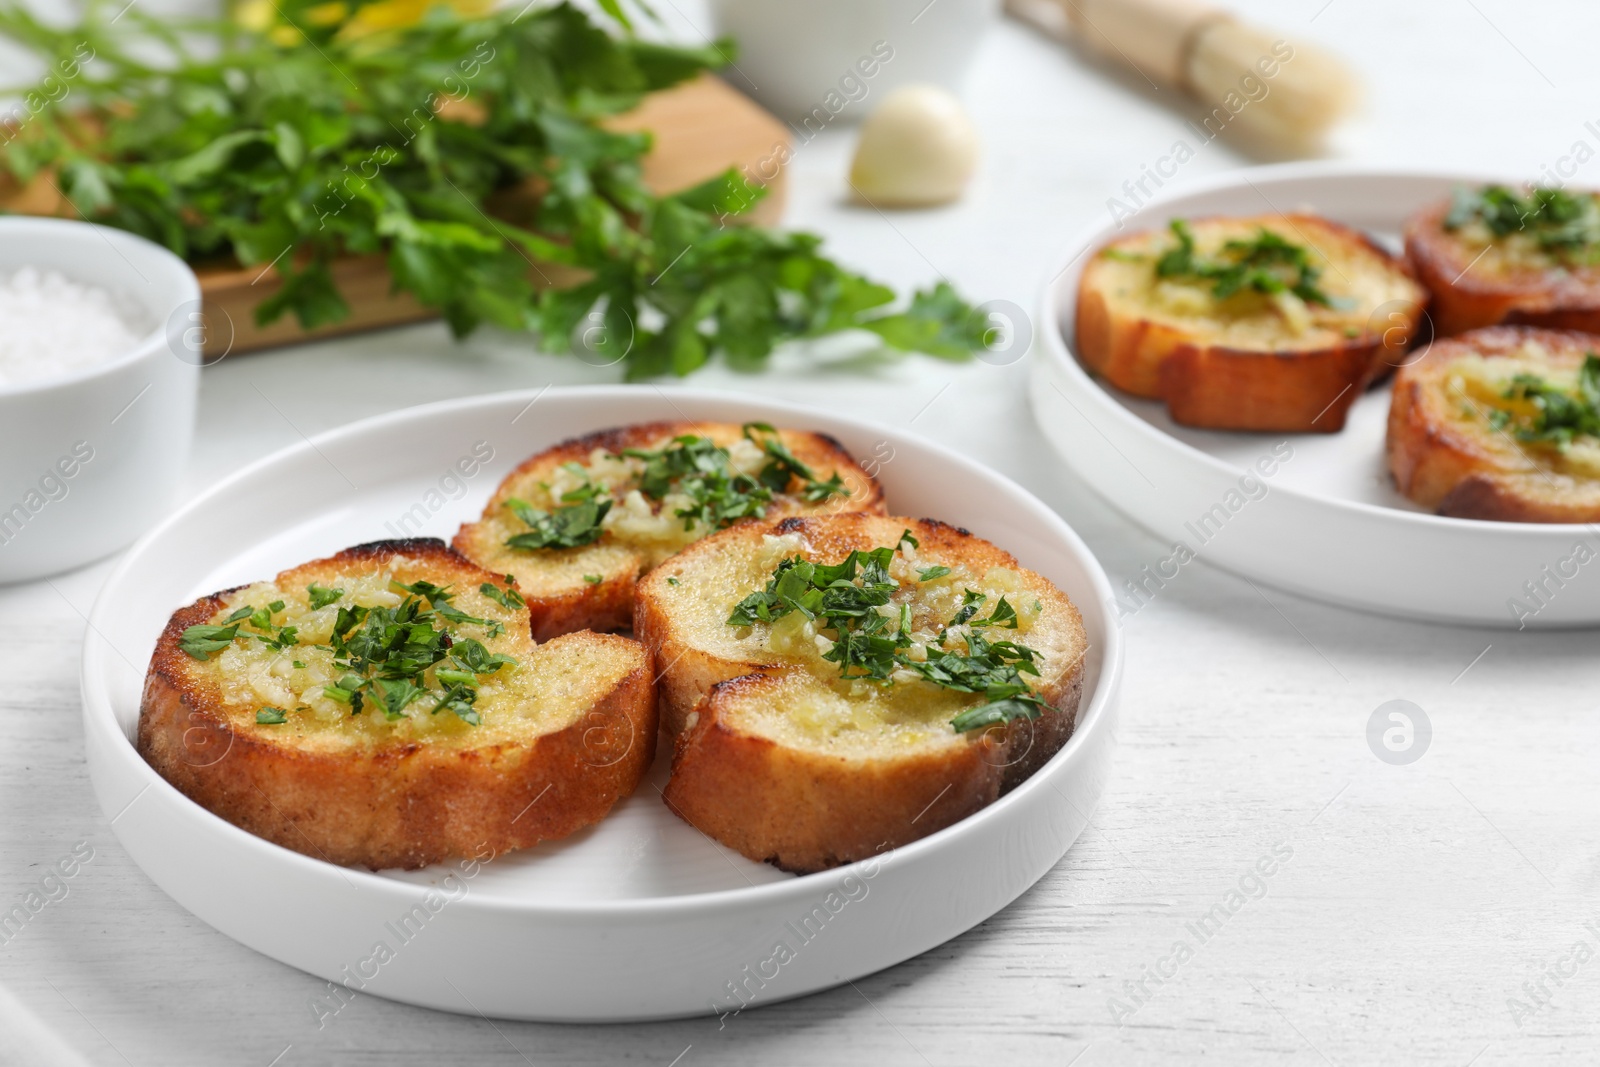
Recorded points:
(1416, 900)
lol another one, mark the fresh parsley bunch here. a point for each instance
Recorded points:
(467, 152)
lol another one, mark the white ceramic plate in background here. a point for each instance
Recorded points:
(641, 916)
(1330, 524)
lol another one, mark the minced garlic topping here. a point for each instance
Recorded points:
(253, 675)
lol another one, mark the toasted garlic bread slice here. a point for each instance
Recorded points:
(780, 755)
(1270, 323)
(606, 507)
(1492, 256)
(333, 712)
(1502, 423)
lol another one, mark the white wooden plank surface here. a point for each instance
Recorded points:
(1417, 899)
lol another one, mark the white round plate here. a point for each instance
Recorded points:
(1315, 514)
(641, 916)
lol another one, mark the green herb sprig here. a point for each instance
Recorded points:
(385, 652)
(1560, 414)
(320, 597)
(843, 599)
(697, 467)
(783, 467)
(1266, 264)
(690, 465)
(468, 153)
(198, 642)
(564, 526)
(1564, 225)
(508, 597)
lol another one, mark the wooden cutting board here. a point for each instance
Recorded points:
(701, 128)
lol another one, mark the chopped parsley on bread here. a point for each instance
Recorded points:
(841, 685)
(388, 707)
(579, 523)
(1492, 255)
(1275, 322)
(1502, 424)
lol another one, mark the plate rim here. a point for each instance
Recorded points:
(1096, 714)
(1062, 358)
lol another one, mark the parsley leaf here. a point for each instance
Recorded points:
(566, 526)
(1560, 415)
(1003, 615)
(844, 600)
(1266, 264)
(395, 694)
(347, 691)
(493, 627)
(473, 656)
(1562, 224)
(785, 467)
(321, 597)
(200, 641)
(387, 653)
(697, 467)
(270, 716)
(436, 594)
(997, 711)
(506, 598)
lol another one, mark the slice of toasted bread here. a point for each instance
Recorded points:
(780, 757)
(1479, 279)
(1249, 360)
(1459, 425)
(251, 733)
(590, 586)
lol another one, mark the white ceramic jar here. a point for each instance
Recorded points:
(90, 460)
(826, 61)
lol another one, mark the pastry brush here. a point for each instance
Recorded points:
(1275, 95)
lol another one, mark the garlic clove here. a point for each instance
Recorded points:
(917, 149)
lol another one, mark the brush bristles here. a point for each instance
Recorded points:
(1292, 110)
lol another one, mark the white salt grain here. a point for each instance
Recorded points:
(51, 327)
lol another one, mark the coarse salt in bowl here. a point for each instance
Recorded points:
(97, 390)
(52, 326)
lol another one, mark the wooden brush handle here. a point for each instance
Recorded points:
(1154, 36)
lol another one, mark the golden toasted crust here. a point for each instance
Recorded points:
(806, 797)
(403, 803)
(1240, 364)
(1444, 455)
(559, 584)
(1473, 287)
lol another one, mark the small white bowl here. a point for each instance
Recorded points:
(830, 61)
(90, 460)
